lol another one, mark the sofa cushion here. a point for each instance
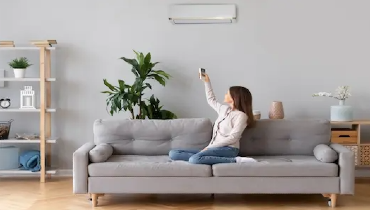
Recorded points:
(278, 166)
(148, 166)
(285, 137)
(100, 153)
(152, 137)
(325, 154)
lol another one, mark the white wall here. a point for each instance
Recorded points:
(282, 50)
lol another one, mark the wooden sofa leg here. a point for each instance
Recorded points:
(94, 198)
(333, 199)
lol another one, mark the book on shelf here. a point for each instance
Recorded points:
(6, 44)
(43, 42)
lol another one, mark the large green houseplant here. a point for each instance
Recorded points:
(128, 97)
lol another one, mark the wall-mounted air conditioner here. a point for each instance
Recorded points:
(202, 14)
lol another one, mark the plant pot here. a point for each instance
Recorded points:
(341, 112)
(276, 110)
(19, 73)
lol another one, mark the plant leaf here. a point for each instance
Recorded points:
(155, 63)
(137, 55)
(133, 70)
(168, 115)
(122, 85)
(138, 85)
(133, 63)
(161, 72)
(149, 85)
(111, 87)
(107, 92)
(141, 59)
(159, 79)
(20, 63)
(147, 59)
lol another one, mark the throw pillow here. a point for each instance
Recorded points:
(325, 154)
(100, 153)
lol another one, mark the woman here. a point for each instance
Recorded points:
(227, 131)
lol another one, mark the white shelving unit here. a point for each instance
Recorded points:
(45, 141)
(26, 48)
(33, 141)
(26, 110)
(26, 79)
(48, 171)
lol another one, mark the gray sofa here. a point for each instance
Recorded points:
(131, 156)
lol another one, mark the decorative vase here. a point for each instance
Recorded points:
(341, 112)
(19, 73)
(276, 110)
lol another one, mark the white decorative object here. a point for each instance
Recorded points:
(257, 114)
(19, 73)
(202, 13)
(339, 112)
(28, 98)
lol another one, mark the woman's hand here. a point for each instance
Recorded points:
(205, 76)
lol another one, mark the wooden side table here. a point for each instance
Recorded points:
(349, 135)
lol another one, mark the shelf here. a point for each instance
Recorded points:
(43, 48)
(21, 141)
(10, 79)
(25, 48)
(355, 122)
(26, 172)
(25, 110)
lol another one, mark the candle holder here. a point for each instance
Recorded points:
(27, 98)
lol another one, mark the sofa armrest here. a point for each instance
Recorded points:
(346, 164)
(80, 164)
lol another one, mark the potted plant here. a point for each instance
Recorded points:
(19, 66)
(339, 112)
(130, 97)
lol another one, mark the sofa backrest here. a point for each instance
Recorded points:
(153, 137)
(284, 137)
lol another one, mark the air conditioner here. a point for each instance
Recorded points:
(202, 13)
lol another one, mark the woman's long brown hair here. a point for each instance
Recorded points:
(243, 102)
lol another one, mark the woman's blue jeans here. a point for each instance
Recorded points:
(209, 157)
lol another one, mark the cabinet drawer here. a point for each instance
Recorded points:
(344, 136)
(344, 140)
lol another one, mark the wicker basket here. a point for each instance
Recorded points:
(5, 129)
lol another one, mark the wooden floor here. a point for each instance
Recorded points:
(29, 194)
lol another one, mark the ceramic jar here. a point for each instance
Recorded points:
(276, 110)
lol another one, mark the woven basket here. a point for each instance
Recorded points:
(5, 129)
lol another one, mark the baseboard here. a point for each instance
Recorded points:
(64, 173)
(362, 173)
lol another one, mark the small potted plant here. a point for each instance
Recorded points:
(19, 66)
(339, 112)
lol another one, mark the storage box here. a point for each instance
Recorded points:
(9, 158)
(344, 136)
